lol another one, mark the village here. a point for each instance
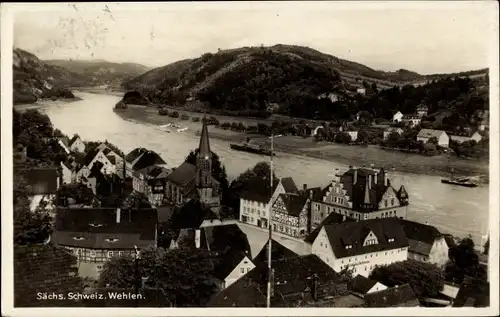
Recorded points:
(348, 243)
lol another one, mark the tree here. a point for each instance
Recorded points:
(343, 137)
(363, 136)
(426, 279)
(464, 261)
(185, 274)
(79, 193)
(487, 246)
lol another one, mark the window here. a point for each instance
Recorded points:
(242, 270)
(78, 238)
(391, 240)
(110, 254)
(120, 253)
(392, 201)
(111, 240)
(248, 269)
(385, 202)
(92, 253)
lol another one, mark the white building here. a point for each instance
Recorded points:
(460, 139)
(232, 267)
(256, 201)
(76, 144)
(362, 245)
(426, 134)
(397, 117)
(422, 110)
(68, 173)
(426, 243)
(411, 120)
(361, 285)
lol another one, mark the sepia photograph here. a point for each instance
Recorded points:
(275, 158)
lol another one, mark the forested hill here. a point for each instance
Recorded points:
(255, 81)
(101, 72)
(34, 79)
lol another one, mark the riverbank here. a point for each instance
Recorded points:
(344, 154)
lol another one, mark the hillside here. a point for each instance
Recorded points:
(100, 72)
(35, 79)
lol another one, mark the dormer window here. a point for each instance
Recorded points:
(390, 239)
(111, 239)
(349, 246)
(95, 225)
(78, 238)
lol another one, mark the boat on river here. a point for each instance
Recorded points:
(466, 182)
(250, 148)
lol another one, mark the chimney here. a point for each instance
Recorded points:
(304, 186)
(197, 238)
(118, 214)
(385, 179)
(375, 178)
(315, 287)
(370, 181)
(311, 194)
(355, 177)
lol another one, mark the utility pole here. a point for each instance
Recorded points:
(270, 273)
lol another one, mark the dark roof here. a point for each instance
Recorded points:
(90, 156)
(204, 147)
(354, 234)
(228, 263)
(393, 297)
(96, 225)
(333, 218)
(361, 284)
(289, 185)
(189, 216)
(258, 190)
(278, 253)
(473, 294)
(73, 139)
(41, 180)
(294, 204)
(152, 172)
(112, 159)
(134, 154)
(245, 292)
(183, 174)
(420, 236)
(148, 158)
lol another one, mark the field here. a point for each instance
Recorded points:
(344, 154)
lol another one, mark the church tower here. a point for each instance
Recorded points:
(204, 166)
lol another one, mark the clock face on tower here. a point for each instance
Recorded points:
(206, 157)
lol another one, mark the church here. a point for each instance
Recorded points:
(188, 181)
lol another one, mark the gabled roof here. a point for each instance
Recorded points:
(294, 204)
(289, 185)
(152, 172)
(333, 218)
(134, 154)
(361, 284)
(73, 139)
(92, 227)
(429, 133)
(354, 234)
(146, 159)
(258, 190)
(228, 263)
(112, 159)
(65, 141)
(245, 292)
(420, 236)
(183, 174)
(278, 253)
(393, 297)
(41, 181)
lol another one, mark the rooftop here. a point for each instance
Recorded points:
(398, 296)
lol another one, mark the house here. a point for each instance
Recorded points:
(426, 134)
(411, 120)
(151, 181)
(291, 214)
(426, 243)
(361, 91)
(109, 159)
(461, 139)
(95, 235)
(422, 110)
(361, 285)
(140, 158)
(353, 134)
(397, 117)
(398, 296)
(81, 174)
(76, 144)
(296, 282)
(361, 245)
(389, 131)
(190, 181)
(332, 218)
(43, 184)
(232, 266)
(361, 194)
(68, 173)
(64, 144)
(256, 200)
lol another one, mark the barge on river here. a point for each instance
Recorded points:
(250, 148)
(466, 182)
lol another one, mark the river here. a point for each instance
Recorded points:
(456, 210)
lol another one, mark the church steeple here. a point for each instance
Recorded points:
(204, 148)
(204, 160)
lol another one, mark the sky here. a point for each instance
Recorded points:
(423, 37)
